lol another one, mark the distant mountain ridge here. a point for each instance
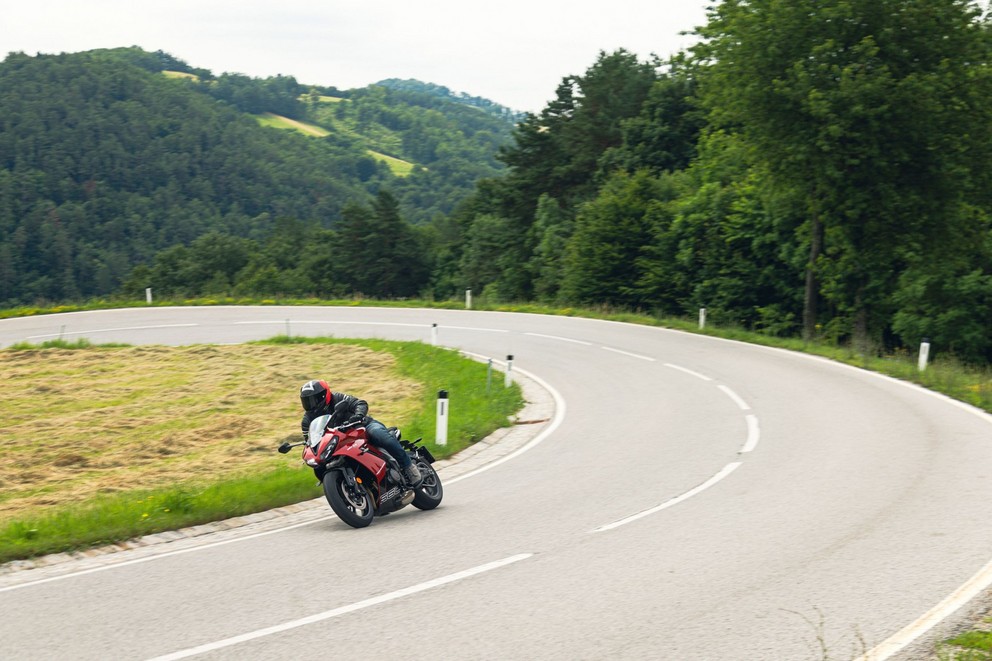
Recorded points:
(491, 107)
(104, 161)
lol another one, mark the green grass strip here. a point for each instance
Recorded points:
(475, 411)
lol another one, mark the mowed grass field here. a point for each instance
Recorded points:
(78, 423)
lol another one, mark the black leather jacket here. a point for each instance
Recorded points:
(352, 409)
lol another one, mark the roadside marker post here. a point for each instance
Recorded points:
(509, 371)
(441, 435)
(924, 354)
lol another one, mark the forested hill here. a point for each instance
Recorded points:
(108, 157)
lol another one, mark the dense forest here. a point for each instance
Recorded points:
(817, 170)
(109, 157)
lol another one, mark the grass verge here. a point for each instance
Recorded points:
(202, 486)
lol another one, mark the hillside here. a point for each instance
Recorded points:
(108, 157)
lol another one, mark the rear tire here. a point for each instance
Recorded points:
(429, 493)
(354, 508)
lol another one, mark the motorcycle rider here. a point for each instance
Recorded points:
(318, 399)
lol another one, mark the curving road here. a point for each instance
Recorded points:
(695, 499)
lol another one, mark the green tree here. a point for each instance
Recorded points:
(379, 253)
(606, 254)
(876, 112)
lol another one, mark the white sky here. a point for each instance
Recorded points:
(514, 52)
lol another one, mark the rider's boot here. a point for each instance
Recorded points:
(412, 475)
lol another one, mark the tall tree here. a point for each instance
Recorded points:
(876, 111)
(379, 253)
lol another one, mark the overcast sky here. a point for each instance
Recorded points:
(514, 52)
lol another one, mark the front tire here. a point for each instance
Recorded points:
(354, 507)
(429, 493)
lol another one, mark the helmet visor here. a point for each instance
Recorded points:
(310, 402)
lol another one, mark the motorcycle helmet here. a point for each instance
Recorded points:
(314, 394)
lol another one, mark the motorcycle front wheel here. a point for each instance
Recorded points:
(354, 507)
(429, 493)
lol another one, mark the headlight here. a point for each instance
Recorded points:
(328, 451)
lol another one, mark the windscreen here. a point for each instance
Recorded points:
(316, 432)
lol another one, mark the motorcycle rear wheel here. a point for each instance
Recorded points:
(355, 509)
(429, 493)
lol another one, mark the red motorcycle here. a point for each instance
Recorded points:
(360, 480)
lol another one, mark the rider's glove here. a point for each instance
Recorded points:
(355, 420)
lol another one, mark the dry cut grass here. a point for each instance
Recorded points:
(77, 423)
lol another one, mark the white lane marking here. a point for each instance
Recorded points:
(727, 470)
(161, 555)
(557, 337)
(547, 431)
(627, 353)
(481, 330)
(974, 587)
(734, 396)
(282, 322)
(689, 371)
(753, 433)
(343, 610)
(110, 330)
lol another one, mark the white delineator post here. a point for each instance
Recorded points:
(441, 436)
(434, 335)
(148, 295)
(468, 299)
(924, 353)
(702, 317)
(509, 369)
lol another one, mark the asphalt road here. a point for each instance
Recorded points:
(697, 499)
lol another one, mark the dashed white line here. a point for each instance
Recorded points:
(753, 433)
(689, 371)
(737, 399)
(727, 470)
(627, 353)
(562, 339)
(283, 322)
(342, 610)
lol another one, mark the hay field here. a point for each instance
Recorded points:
(81, 422)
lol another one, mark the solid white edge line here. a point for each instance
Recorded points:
(734, 396)
(158, 556)
(110, 330)
(547, 431)
(753, 433)
(902, 639)
(343, 610)
(632, 355)
(689, 371)
(727, 470)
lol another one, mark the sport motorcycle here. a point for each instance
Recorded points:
(360, 480)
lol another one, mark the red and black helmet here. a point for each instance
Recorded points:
(315, 394)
